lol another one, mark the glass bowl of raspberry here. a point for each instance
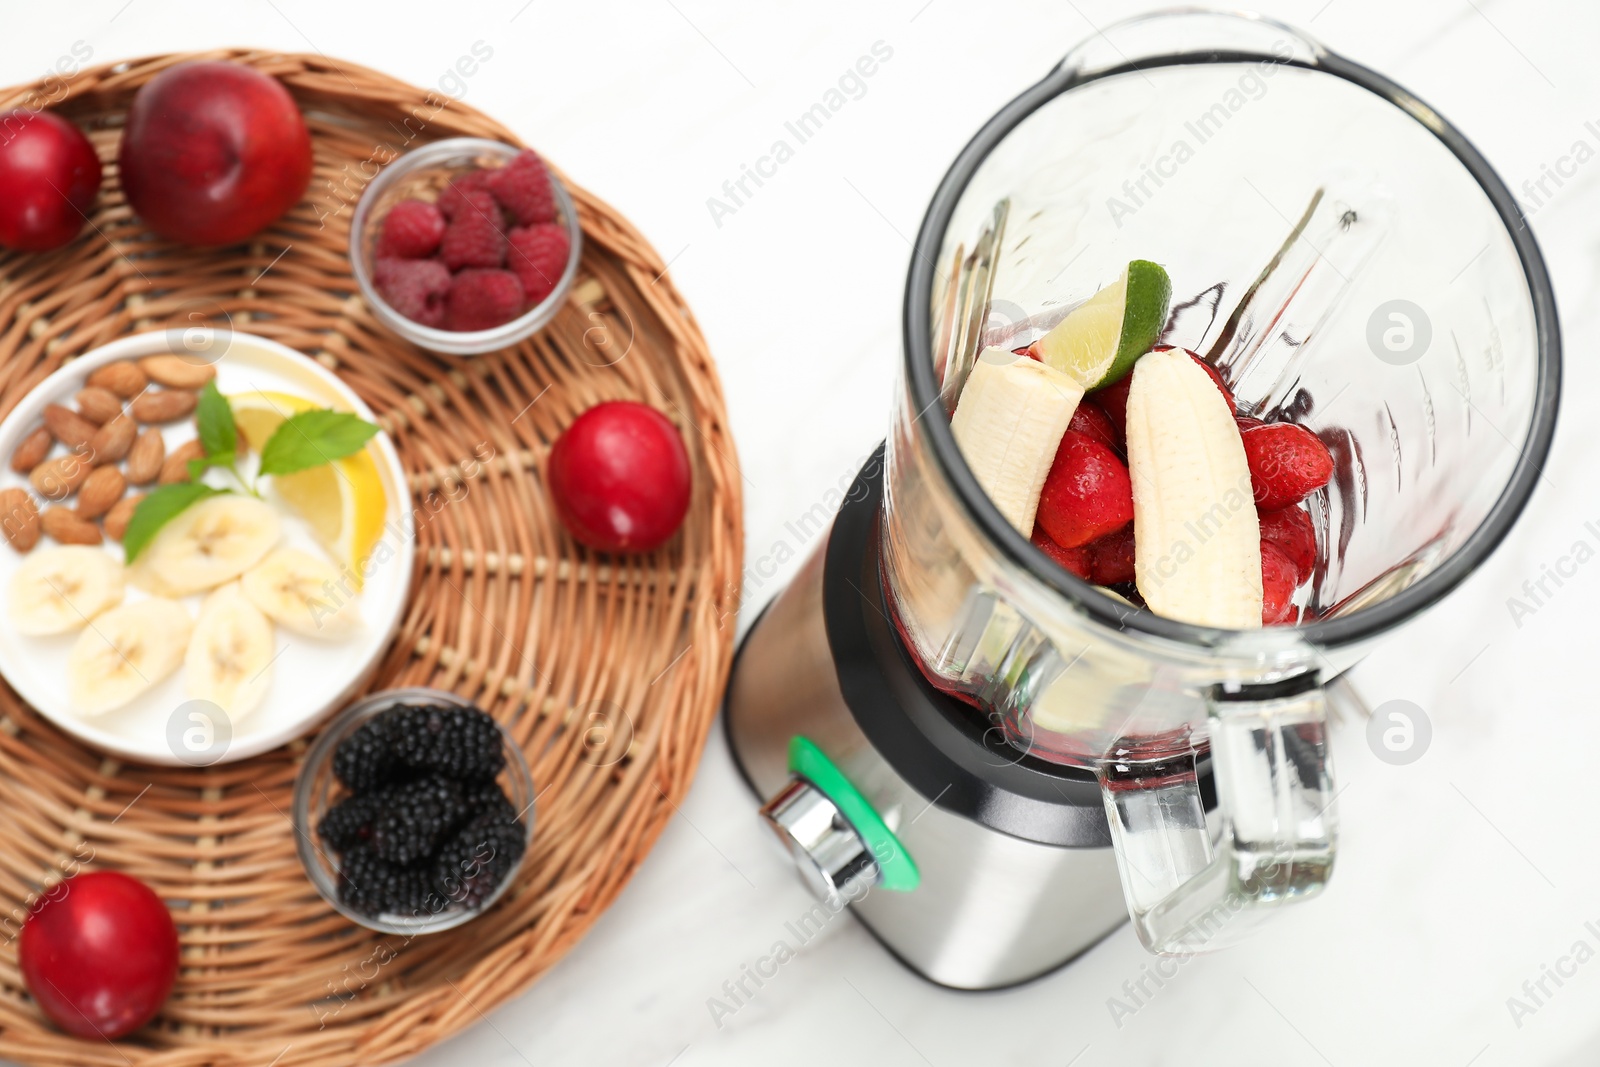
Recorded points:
(465, 245)
(413, 811)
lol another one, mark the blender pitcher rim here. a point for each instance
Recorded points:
(1327, 633)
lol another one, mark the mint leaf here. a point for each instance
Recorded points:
(220, 459)
(214, 417)
(312, 438)
(158, 509)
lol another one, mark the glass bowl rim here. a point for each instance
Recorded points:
(321, 753)
(459, 342)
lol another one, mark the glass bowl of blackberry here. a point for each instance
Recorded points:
(413, 811)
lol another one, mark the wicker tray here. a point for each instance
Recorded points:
(607, 673)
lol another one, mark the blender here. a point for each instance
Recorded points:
(992, 762)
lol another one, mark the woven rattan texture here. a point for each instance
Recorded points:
(608, 672)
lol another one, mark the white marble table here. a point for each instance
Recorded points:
(1452, 891)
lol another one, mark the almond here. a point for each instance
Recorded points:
(165, 406)
(31, 452)
(70, 428)
(113, 440)
(100, 491)
(98, 405)
(59, 478)
(116, 520)
(123, 378)
(65, 526)
(19, 518)
(175, 372)
(145, 458)
(176, 468)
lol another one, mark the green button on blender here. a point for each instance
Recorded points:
(899, 872)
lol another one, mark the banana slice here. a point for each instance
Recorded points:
(1009, 422)
(1197, 540)
(229, 661)
(57, 590)
(213, 542)
(127, 651)
(304, 593)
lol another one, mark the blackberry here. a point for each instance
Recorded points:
(459, 743)
(426, 826)
(473, 863)
(366, 760)
(349, 821)
(411, 819)
(373, 886)
(489, 797)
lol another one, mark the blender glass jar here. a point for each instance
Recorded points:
(1350, 262)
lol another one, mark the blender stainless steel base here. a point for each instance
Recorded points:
(1008, 858)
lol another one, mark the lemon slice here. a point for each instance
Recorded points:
(344, 501)
(1098, 342)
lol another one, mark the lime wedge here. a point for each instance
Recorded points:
(1097, 343)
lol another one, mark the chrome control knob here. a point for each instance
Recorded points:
(833, 860)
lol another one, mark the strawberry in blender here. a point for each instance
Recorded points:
(1202, 518)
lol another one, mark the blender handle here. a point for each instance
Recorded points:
(1275, 813)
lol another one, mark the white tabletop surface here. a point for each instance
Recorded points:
(1452, 889)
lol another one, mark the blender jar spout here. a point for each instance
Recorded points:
(1159, 35)
(1275, 811)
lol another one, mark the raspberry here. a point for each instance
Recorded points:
(1289, 530)
(474, 862)
(459, 743)
(349, 822)
(1075, 560)
(412, 819)
(538, 256)
(453, 198)
(1087, 493)
(523, 189)
(415, 288)
(482, 299)
(1287, 463)
(374, 886)
(473, 238)
(1278, 583)
(477, 206)
(411, 230)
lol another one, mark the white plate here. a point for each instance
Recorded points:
(310, 678)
